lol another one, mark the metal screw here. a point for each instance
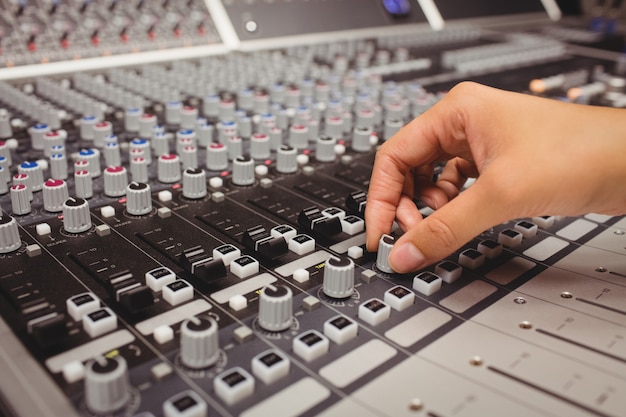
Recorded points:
(519, 300)
(525, 325)
(416, 404)
(619, 232)
(476, 361)
(601, 269)
(566, 294)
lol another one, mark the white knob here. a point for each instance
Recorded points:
(9, 234)
(275, 308)
(243, 171)
(216, 157)
(54, 195)
(194, 183)
(169, 168)
(260, 146)
(138, 198)
(338, 277)
(83, 184)
(199, 342)
(106, 384)
(115, 181)
(20, 199)
(76, 216)
(286, 160)
(325, 149)
(382, 256)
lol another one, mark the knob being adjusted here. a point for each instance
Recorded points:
(338, 277)
(76, 216)
(9, 234)
(276, 308)
(106, 384)
(138, 198)
(199, 342)
(382, 257)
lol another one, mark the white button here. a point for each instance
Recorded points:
(340, 329)
(544, 221)
(526, 228)
(399, 298)
(352, 225)
(310, 345)
(165, 196)
(177, 292)
(233, 385)
(227, 253)
(301, 275)
(185, 404)
(270, 366)
(81, 304)
(216, 182)
(43, 229)
(107, 211)
(73, 371)
(427, 283)
(510, 238)
(471, 259)
(448, 271)
(159, 277)
(490, 248)
(163, 334)
(237, 302)
(355, 252)
(334, 212)
(285, 231)
(374, 311)
(244, 266)
(99, 322)
(301, 244)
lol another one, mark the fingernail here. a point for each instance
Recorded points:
(406, 258)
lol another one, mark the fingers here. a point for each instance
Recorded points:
(447, 229)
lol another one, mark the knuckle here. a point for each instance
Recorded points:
(441, 232)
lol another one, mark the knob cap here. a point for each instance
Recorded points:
(199, 342)
(146, 124)
(112, 156)
(298, 136)
(169, 168)
(92, 156)
(100, 131)
(20, 199)
(338, 277)
(115, 181)
(37, 133)
(35, 174)
(138, 198)
(54, 195)
(139, 169)
(194, 183)
(325, 149)
(106, 384)
(361, 139)
(260, 146)
(286, 160)
(276, 308)
(216, 157)
(143, 145)
(382, 257)
(243, 171)
(83, 184)
(58, 166)
(76, 216)
(9, 234)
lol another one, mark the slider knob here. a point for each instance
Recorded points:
(243, 171)
(9, 234)
(338, 277)
(76, 216)
(106, 384)
(199, 342)
(382, 257)
(275, 308)
(54, 195)
(138, 198)
(194, 183)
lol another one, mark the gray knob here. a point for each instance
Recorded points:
(9, 234)
(92, 156)
(20, 199)
(260, 146)
(6, 131)
(54, 195)
(325, 149)
(275, 308)
(391, 127)
(58, 166)
(146, 123)
(100, 131)
(243, 171)
(169, 168)
(199, 342)
(106, 384)
(382, 257)
(286, 160)
(338, 277)
(173, 112)
(142, 145)
(37, 133)
(194, 183)
(139, 169)
(334, 126)
(35, 174)
(87, 124)
(216, 157)
(76, 216)
(115, 181)
(298, 136)
(112, 156)
(138, 198)
(361, 139)
(83, 184)
(189, 157)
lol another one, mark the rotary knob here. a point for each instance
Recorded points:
(298, 136)
(260, 146)
(169, 168)
(325, 149)
(286, 160)
(115, 181)
(100, 131)
(37, 133)
(92, 156)
(9, 234)
(216, 157)
(20, 199)
(138, 198)
(338, 277)
(143, 145)
(106, 384)
(139, 169)
(83, 184)
(35, 174)
(112, 156)
(54, 195)
(194, 183)
(382, 257)
(275, 308)
(76, 216)
(58, 166)
(146, 124)
(243, 171)
(199, 342)
(361, 139)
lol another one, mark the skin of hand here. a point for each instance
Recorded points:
(532, 157)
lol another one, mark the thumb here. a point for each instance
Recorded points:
(447, 229)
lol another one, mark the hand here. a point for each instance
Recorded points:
(532, 156)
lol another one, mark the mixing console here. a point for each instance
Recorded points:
(186, 238)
